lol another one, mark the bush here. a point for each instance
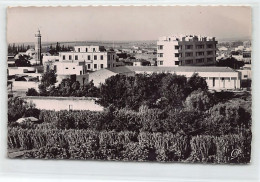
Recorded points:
(155, 90)
(199, 100)
(32, 92)
(223, 149)
(225, 118)
(18, 107)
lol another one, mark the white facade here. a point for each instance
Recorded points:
(186, 51)
(95, 57)
(167, 51)
(70, 68)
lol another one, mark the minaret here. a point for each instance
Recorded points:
(38, 47)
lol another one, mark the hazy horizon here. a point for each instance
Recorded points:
(119, 24)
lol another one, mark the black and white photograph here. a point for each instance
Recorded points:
(161, 84)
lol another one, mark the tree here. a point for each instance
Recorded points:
(226, 118)
(18, 107)
(230, 62)
(58, 48)
(196, 82)
(199, 100)
(173, 89)
(32, 92)
(48, 80)
(22, 61)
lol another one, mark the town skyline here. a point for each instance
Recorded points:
(126, 23)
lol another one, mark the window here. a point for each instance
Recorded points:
(160, 55)
(55, 68)
(160, 47)
(95, 57)
(245, 76)
(101, 57)
(101, 66)
(48, 68)
(108, 65)
(88, 57)
(94, 49)
(88, 66)
(108, 57)
(78, 49)
(200, 46)
(177, 62)
(66, 68)
(200, 60)
(63, 57)
(209, 46)
(95, 66)
(74, 68)
(76, 57)
(176, 55)
(188, 46)
(161, 62)
(80, 72)
(69, 57)
(86, 49)
(209, 59)
(199, 53)
(190, 61)
(177, 47)
(188, 54)
(209, 52)
(213, 82)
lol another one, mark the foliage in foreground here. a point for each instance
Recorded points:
(145, 146)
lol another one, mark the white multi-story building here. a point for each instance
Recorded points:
(186, 51)
(95, 57)
(81, 60)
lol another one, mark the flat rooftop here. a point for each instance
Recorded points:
(128, 69)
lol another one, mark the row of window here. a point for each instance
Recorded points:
(209, 46)
(89, 66)
(77, 58)
(176, 62)
(188, 54)
(86, 50)
(201, 60)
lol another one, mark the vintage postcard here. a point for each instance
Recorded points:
(130, 83)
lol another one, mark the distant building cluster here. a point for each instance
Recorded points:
(240, 52)
(183, 55)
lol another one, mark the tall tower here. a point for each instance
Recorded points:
(38, 47)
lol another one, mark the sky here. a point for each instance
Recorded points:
(126, 23)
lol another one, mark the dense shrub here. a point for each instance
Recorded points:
(199, 101)
(18, 107)
(73, 119)
(32, 92)
(176, 146)
(87, 144)
(227, 118)
(223, 149)
(155, 90)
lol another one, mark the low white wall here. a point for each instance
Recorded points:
(24, 85)
(65, 103)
